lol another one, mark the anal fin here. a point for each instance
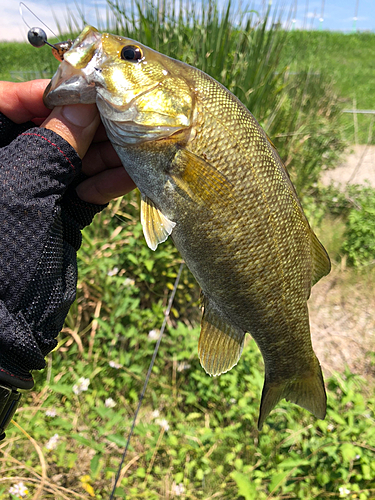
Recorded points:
(156, 226)
(220, 343)
(307, 392)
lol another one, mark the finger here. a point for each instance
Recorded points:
(22, 102)
(100, 156)
(76, 124)
(105, 186)
(101, 134)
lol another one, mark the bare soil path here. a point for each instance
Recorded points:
(342, 305)
(358, 167)
(342, 320)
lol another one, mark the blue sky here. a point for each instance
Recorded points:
(338, 14)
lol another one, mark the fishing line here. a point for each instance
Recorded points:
(22, 4)
(166, 315)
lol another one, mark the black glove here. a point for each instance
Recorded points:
(40, 221)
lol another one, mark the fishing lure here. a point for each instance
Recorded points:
(37, 37)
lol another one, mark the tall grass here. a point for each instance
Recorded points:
(349, 60)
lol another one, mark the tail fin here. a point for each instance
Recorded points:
(308, 392)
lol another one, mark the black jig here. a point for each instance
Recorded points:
(37, 37)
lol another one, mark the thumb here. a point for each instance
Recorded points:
(76, 124)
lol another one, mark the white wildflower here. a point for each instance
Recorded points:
(178, 489)
(19, 490)
(51, 413)
(81, 386)
(233, 401)
(153, 334)
(52, 442)
(155, 414)
(113, 364)
(129, 282)
(334, 199)
(357, 457)
(110, 403)
(163, 423)
(343, 491)
(183, 366)
(330, 427)
(113, 272)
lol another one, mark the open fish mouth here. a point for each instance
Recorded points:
(74, 81)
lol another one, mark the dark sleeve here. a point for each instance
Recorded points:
(10, 130)
(40, 221)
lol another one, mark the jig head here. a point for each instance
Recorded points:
(37, 37)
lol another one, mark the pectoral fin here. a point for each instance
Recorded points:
(199, 179)
(307, 392)
(156, 226)
(220, 344)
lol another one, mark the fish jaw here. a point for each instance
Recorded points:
(74, 80)
(68, 88)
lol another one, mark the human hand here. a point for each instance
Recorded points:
(79, 125)
(41, 218)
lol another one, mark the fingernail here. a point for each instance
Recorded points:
(80, 115)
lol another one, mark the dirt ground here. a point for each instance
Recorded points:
(342, 305)
(342, 321)
(358, 167)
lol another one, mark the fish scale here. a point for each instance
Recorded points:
(211, 179)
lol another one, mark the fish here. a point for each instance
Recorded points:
(211, 179)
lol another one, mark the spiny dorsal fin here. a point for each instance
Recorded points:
(199, 179)
(220, 343)
(156, 226)
(320, 260)
(307, 392)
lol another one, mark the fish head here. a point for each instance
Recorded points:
(141, 94)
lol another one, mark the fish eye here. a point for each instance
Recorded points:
(131, 53)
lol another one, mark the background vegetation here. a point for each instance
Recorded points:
(196, 436)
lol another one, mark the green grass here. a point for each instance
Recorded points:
(21, 62)
(349, 60)
(299, 112)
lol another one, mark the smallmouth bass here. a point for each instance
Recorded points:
(211, 179)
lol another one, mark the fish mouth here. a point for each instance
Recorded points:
(73, 82)
(72, 90)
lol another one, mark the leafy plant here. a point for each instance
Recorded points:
(359, 242)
